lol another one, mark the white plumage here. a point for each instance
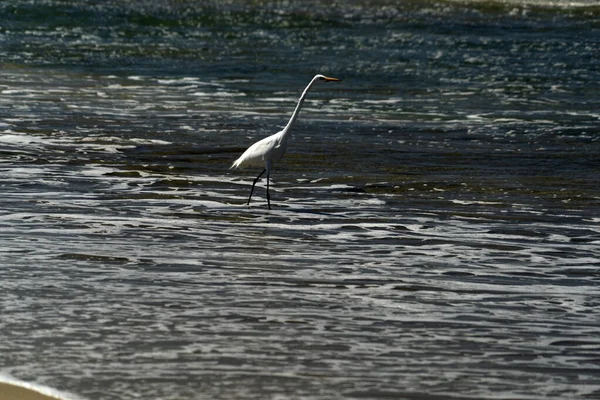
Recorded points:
(271, 149)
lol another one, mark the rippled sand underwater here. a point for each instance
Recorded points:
(434, 231)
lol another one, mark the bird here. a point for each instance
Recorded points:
(269, 150)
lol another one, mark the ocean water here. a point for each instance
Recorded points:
(435, 230)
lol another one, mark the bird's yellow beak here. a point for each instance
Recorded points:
(328, 79)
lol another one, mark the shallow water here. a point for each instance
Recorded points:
(435, 223)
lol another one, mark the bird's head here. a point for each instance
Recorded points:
(327, 79)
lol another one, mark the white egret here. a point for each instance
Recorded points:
(270, 149)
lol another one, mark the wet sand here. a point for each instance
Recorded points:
(14, 392)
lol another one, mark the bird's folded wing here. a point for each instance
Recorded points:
(255, 154)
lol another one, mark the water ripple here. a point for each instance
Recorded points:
(434, 230)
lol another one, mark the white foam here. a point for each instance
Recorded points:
(392, 100)
(45, 390)
(218, 94)
(475, 202)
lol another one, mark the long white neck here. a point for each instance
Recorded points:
(288, 127)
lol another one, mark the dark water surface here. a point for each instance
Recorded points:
(435, 230)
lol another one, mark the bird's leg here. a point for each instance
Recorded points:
(254, 183)
(268, 196)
